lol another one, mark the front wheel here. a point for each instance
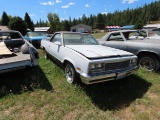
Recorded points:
(70, 74)
(46, 55)
(151, 63)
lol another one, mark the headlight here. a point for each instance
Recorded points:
(98, 67)
(133, 61)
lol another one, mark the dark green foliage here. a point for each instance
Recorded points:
(54, 21)
(138, 25)
(16, 23)
(84, 19)
(100, 22)
(30, 24)
(65, 25)
(5, 19)
(41, 23)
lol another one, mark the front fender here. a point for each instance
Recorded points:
(148, 53)
(69, 60)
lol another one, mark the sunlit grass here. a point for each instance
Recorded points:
(98, 35)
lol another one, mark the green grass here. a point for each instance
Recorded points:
(42, 93)
(99, 35)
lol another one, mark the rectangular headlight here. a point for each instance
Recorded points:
(133, 61)
(97, 66)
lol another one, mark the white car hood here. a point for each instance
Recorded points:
(97, 51)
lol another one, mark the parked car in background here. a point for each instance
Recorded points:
(147, 50)
(82, 56)
(151, 34)
(36, 37)
(15, 52)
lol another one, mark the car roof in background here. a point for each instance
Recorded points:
(8, 31)
(124, 31)
(71, 32)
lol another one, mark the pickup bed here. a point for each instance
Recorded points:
(16, 53)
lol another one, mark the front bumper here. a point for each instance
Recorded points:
(107, 76)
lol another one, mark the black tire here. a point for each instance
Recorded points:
(71, 75)
(151, 63)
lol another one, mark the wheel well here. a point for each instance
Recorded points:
(43, 48)
(148, 53)
(65, 63)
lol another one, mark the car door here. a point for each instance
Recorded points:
(55, 46)
(116, 40)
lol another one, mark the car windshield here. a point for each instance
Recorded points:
(34, 34)
(133, 35)
(157, 31)
(79, 39)
(9, 35)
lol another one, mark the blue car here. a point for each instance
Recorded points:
(36, 37)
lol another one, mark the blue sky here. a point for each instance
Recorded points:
(38, 9)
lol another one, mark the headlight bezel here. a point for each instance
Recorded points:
(96, 67)
(133, 61)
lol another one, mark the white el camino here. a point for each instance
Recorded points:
(85, 59)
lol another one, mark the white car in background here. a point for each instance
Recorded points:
(15, 52)
(83, 57)
(151, 34)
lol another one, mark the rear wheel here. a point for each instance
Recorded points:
(151, 63)
(70, 74)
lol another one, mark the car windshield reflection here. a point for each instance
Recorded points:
(79, 39)
(133, 35)
(34, 34)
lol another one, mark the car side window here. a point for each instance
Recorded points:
(56, 37)
(115, 37)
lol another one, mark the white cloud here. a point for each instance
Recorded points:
(129, 1)
(31, 15)
(104, 13)
(57, 1)
(47, 3)
(87, 5)
(71, 3)
(67, 6)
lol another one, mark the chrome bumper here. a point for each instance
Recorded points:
(107, 76)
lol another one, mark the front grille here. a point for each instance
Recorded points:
(36, 41)
(117, 65)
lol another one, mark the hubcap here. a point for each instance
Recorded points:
(45, 54)
(147, 63)
(69, 73)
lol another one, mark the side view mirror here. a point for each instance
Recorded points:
(58, 43)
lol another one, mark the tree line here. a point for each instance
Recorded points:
(138, 17)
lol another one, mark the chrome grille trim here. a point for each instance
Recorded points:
(117, 65)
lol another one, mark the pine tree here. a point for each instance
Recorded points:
(5, 19)
(30, 23)
(100, 22)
